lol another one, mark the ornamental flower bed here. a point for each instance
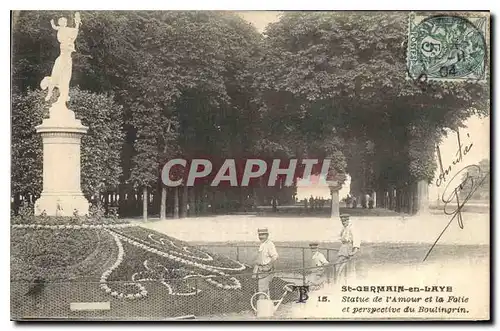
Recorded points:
(56, 254)
(146, 263)
(181, 249)
(143, 273)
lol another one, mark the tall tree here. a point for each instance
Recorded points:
(350, 68)
(192, 70)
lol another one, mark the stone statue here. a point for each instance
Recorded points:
(61, 135)
(61, 72)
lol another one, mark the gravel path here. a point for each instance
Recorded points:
(372, 229)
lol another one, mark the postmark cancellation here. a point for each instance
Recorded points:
(447, 47)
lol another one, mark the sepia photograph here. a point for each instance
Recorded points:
(250, 165)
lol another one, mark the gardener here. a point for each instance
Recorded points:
(350, 242)
(321, 264)
(266, 259)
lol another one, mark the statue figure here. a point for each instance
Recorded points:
(61, 72)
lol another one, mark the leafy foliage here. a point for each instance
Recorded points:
(317, 84)
(347, 71)
(100, 155)
(26, 144)
(189, 87)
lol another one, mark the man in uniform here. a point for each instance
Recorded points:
(266, 259)
(350, 243)
(320, 262)
(318, 258)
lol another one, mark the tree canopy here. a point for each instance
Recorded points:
(346, 72)
(315, 84)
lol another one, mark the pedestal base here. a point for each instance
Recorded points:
(61, 204)
(334, 195)
(61, 137)
(335, 204)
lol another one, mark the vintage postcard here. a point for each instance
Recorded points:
(259, 165)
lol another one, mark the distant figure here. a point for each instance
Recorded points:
(274, 203)
(354, 202)
(370, 202)
(311, 202)
(365, 201)
(305, 203)
(348, 201)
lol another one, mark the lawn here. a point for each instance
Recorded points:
(372, 255)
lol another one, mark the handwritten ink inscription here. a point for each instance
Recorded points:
(455, 198)
(461, 152)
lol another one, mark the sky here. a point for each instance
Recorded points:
(260, 19)
(477, 128)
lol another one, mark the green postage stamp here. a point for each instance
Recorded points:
(447, 47)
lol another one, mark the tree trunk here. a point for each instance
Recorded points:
(391, 199)
(242, 199)
(212, 199)
(403, 200)
(176, 202)
(184, 201)
(192, 202)
(17, 203)
(153, 197)
(261, 192)
(399, 200)
(145, 203)
(135, 203)
(411, 202)
(255, 198)
(407, 199)
(163, 203)
(335, 211)
(106, 203)
(422, 197)
(200, 200)
(402, 204)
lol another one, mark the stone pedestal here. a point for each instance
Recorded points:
(61, 135)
